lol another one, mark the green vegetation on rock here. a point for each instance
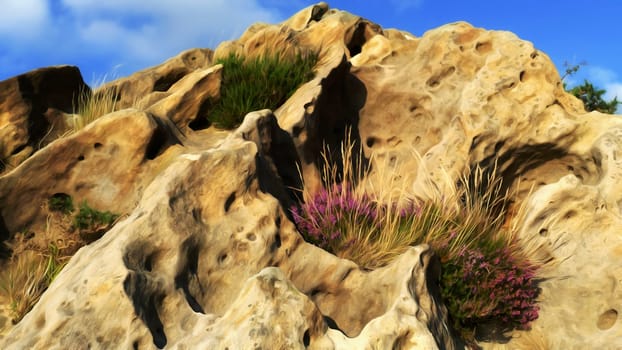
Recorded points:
(250, 84)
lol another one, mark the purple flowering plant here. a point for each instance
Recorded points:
(485, 276)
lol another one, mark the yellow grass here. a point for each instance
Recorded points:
(26, 276)
(473, 211)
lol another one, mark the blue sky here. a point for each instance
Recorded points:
(114, 38)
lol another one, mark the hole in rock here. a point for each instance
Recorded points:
(229, 201)
(187, 278)
(607, 319)
(331, 323)
(306, 338)
(435, 80)
(222, 258)
(97, 145)
(521, 76)
(370, 141)
(201, 122)
(18, 149)
(569, 214)
(165, 82)
(543, 232)
(146, 295)
(158, 142)
(277, 242)
(80, 158)
(251, 237)
(484, 47)
(148, 265)
(355, 46)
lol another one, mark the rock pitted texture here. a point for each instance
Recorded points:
(193, 261)
(206, 256)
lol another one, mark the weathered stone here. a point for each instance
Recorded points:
(30, 106)
(185, 268)
(186, 99)
(207, 245)
(136, 90)
(107, 164)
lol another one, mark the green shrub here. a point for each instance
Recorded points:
(250, 84)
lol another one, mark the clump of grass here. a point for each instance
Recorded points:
(33, 265)
(254, 83)
(486, 277)
(92, 223)
(27, 276)
(90, 106)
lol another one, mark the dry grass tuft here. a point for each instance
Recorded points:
(26, 276)
(486, 275)
(90, 107)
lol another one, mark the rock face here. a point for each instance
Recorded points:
(31, 107)
(206, 256)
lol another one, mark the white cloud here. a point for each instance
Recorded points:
(21, 19)
(148, 30)
(132, 33)
(613, 90)
(600, 75)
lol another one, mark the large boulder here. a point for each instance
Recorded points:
(207, 256)
(188, 265)
(31, 110)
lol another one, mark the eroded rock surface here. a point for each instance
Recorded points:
(31, 109)
(206, 246)
(188, 266)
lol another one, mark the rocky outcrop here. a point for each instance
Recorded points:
(194, 259)
(31, 110)
(206, 245)
(147, 86)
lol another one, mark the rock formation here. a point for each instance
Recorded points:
(205, 254)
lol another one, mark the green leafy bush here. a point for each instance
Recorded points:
(485, 276)
(250, 84)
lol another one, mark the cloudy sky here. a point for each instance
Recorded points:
(113, 38)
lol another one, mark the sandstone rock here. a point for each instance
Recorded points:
(29, 110)
(143, 88)
(187, 98)
(187, 266)
(207, 231)
(107, 164)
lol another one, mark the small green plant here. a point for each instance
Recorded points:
(485, 276)
(92, 223)
(250, 84)
(61, 202)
